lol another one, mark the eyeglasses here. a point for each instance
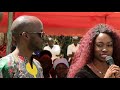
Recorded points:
(40, 34)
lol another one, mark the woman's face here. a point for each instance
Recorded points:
(103, 46)
(61, 70)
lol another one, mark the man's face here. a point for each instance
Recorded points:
(35, 42)
(75, 41)
(51, 42)
(36, 38)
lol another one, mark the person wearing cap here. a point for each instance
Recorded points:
(54, 49)
(61, 67)
(71, 49)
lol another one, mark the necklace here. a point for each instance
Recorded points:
(96, 69)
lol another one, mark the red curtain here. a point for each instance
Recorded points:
(69, 23)
(4, 22)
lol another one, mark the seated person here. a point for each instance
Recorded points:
(61, 67)
(44, 57)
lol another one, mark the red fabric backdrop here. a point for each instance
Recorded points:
(69, 23)
(4, 22)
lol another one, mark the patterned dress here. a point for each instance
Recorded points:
(11, 67)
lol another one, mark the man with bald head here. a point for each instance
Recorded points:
(27, 32)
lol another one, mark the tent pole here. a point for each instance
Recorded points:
(9, 34)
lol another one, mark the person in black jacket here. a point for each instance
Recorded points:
(90, 59)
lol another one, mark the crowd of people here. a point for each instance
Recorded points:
(37, 55)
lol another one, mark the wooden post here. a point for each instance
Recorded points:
(9, 34)
(1, 16)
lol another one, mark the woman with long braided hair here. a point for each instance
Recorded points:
(90, 59)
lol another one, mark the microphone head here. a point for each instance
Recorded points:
(109, 60)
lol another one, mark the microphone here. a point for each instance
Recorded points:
(109, 60)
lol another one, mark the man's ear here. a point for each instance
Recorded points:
(24, 34)
(13, 38)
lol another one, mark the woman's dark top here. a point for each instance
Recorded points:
(86, 72)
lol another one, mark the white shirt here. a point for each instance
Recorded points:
(55, 50)
(72, 49)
